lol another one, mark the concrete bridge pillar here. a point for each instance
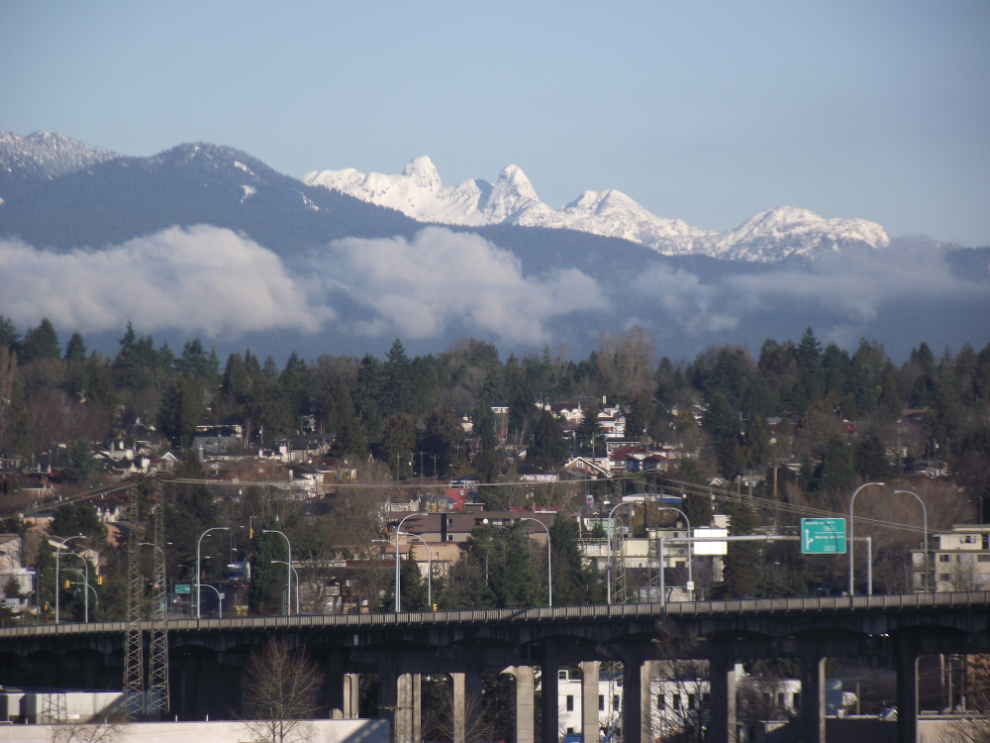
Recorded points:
(525, 719)
(722, 668)
(813, 698)
(636, 713)
(549, 724)
(343, 692)
(589, 701)
(394, 699)
(906, 652)
(467, 702)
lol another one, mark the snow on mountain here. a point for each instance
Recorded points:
(47, 154)
(772, 235)
(776, 233)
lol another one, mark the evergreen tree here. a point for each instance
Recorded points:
(573, 583)
(266, 593)
(81, 465)
(486, 460)
(836, 474)
(398, 439)
(414, 589)
(741, 574)
(294, 384)
(39, 343)
(722, 425)
(367, 395)
(181, 410)
(8, 333)
(396, 390)
(590, 438)
(757, 450)
(441, 437)
(548, 450)
(75, 350)
(640, 416)
(871, 459)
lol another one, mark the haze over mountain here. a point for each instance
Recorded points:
(205, 239)
(771, 235)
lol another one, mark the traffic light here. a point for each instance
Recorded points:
(251, 533)
(67, 584)
(99, 580)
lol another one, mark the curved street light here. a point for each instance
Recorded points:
(199, 543)
(924, 525)
(220, 598)
(852, 544)
(549, 568)
(296, 572)
(608, 551)
(288, 570)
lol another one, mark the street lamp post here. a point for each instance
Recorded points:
(852, 544)
(549, 568)
(283, 562)
(608, 552)
(199, 543)
(924, 525)
(398, 586)
(58, 552)
(288, 571)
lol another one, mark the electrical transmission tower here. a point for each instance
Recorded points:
(158, 697)
(133, 636)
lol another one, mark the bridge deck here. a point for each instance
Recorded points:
(839, 605)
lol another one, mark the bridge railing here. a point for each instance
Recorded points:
(819, 604)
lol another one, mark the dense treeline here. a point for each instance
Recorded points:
(413, 405)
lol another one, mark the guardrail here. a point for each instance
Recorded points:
(536, 615)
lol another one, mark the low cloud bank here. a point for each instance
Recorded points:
(440, 279)
(212, 281)
(198, 280)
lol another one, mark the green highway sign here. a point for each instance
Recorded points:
(183, 588)
(823, 536)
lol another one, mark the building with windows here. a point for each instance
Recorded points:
(958, 560)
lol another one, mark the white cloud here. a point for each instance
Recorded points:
(690, 303)
(200, 280)
(211, 281)
(421, 287)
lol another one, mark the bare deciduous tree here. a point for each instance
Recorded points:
(281, 689)
(103, 732)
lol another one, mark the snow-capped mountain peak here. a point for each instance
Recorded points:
(45, 154)
(771, 235)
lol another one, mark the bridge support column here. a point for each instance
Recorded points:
(467, 702)
(722, 668)
(906, 652)
(589, 701)
(549, 724)
(636, 712)
(352, 696)
(525, 718)
(395, 700)
(813, 699)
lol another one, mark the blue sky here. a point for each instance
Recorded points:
(709, 112)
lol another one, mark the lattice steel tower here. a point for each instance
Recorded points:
(134, 636)
(158, 697)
